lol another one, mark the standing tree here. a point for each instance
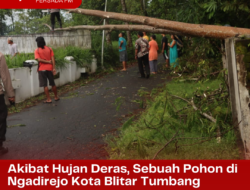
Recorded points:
(108, 35)
(3, 14)
(143, 5)
(124, 9)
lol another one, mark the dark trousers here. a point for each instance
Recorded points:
(52, 18)
(3, 118)
(143, 61)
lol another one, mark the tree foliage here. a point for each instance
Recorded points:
(216, 12)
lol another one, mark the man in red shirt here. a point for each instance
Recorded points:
(46, 68)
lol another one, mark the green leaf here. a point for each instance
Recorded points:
(127, 123)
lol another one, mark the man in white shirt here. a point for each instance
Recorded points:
(13, 51)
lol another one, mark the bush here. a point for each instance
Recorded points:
(111, 53)
(18, 60)
(60, 54)
(201, 55)
(83, 57)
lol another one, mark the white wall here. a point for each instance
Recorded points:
(29, 83)
(26, 83)
(27, 43)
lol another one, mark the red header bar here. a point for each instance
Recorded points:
(112, 174)
(40, 4)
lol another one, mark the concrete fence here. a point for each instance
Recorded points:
(26, 84)
(27, 43)
(238, 64)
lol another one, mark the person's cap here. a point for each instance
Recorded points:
(10, 39)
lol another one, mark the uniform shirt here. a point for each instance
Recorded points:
(13, 49)
(124, 44)
(5, 76)
(153, 48)
(44, 54)
(142, 46)
(146, 37)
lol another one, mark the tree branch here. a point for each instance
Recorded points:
(195, 108)
(48, 26)
(119, 27)
(172, 139)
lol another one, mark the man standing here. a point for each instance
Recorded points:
(123, 51)
(46, 68)
(141, 53)
(145, 36)
(13, 51)
(55, 13)
(5, 76)
(164, 43)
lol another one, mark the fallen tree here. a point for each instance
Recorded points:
(144, 28)
(199, 30)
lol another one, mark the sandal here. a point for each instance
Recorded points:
(57, 99)
(46, 102)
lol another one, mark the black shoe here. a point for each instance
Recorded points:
(143, 77)
(147, 77)
(3, 150)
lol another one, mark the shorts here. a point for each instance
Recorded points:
(165, 54)
(44, 76)
(123, 56)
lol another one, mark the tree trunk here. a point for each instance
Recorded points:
(108, 35)
(199, 30)
(124, 9)
(224, 59)
(12, 19)
(1, 25)
(119, 27)
(143, 5)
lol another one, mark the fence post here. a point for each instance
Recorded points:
(239, 94)
(232, 78)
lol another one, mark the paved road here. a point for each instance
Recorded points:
(74, 128)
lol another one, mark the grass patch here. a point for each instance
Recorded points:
(143, 137)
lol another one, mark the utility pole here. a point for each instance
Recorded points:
(103, 36)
